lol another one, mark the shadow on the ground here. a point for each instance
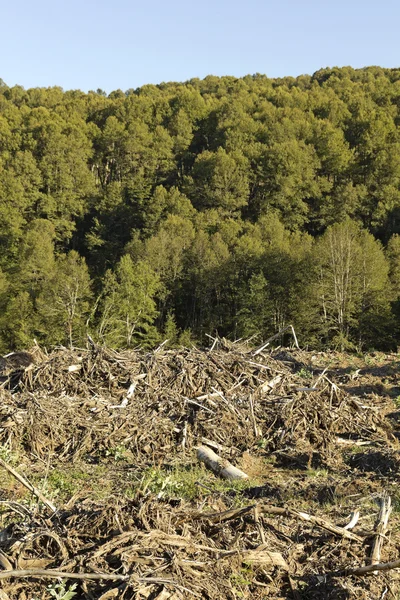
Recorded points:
(319, 587)
(374, 461)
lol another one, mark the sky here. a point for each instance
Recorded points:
(124, 44)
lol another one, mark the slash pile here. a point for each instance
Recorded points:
(305, 441)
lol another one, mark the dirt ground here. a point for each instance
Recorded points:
(112, 500)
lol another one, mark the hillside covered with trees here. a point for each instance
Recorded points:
(229, 205)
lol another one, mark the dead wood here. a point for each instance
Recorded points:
(260, 557)
(381, 528)
(4, 561)
(138, 416)
(221, 467)
(226, 515)
(275, 337)
(321, 522)
(28, 485)
(371, 569)
(53, 574)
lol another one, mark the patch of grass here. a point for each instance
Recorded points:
(63, 483)
(187, 483)
(178, 483)
(396, 503)
(8, 455)
(234, 487)
(318, 473)
(262, 443)
(67, 482)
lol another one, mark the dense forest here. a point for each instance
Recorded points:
(223, 205)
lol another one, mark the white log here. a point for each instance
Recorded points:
(219, 465)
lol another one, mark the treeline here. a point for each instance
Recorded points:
(223, 205)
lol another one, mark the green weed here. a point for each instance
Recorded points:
(60, 591)
(188, 483)
(305, 373)
(241, 580)
(118, 453)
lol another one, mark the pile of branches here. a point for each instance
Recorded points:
(152, 549)
(74, 404)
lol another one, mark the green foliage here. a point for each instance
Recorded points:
(64, 303)
(60, 591)
(353, 284)
(128, 309)
(182, 482)
(229, 205)
(397, 402)
(17, 321)
(220, 180)
(118, 453)
(66, 482)
(186, 339)
(304, 373)
(171, 330)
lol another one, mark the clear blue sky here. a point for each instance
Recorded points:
(90, 44)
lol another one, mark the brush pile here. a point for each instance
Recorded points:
(166, 402)
(76, 408)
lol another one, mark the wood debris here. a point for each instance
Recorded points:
(80, 409)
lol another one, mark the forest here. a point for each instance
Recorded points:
(229, 206)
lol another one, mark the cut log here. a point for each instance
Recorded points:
(264, 558)
(219, 465)
(381, 528)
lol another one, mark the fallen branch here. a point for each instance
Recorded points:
(275, 337)
(381, 528)
(217, 446)
(53, 574)
(331, 527)
(350, 442)
(288, 512)
(226, 515)
(218, 465)
(28, 486)
(259, 525)
(368, 569)
(4, 562)
(355, 516)
(253, 417)
(323, 523)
